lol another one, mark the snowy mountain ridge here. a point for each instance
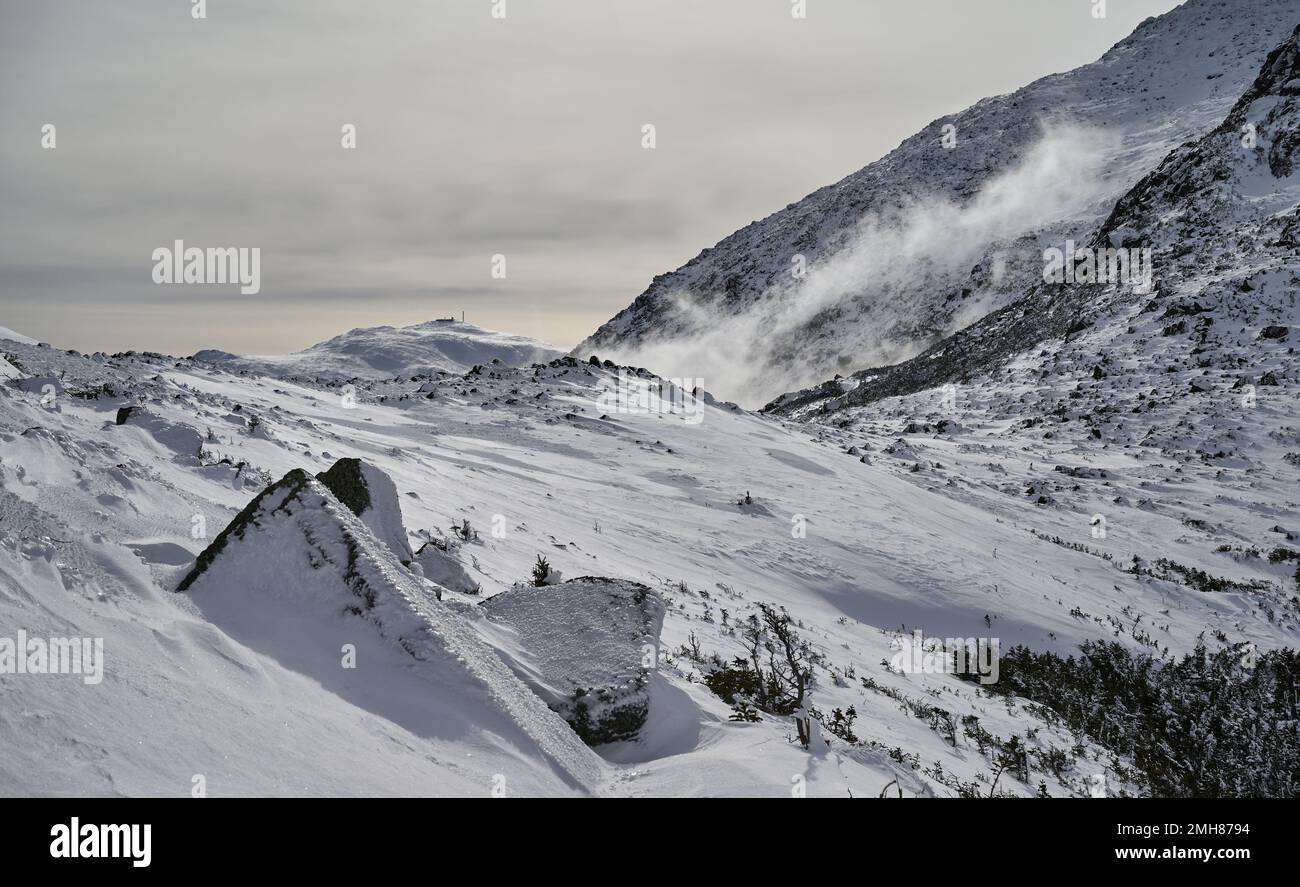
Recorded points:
(1218, 215)
(931, 238)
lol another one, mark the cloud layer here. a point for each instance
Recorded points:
(475, 137)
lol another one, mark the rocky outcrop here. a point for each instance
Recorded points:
(371, 495)
(297, 551)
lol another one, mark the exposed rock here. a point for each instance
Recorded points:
(371, 496)
(443, 568)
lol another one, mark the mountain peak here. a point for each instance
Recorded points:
(948, 227)
(441, 345)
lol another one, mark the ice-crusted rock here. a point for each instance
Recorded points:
(300, 558)
(372, 496)
(583, 646)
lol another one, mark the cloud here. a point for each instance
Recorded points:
(756, 355)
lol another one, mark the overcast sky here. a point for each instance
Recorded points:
(475, 136)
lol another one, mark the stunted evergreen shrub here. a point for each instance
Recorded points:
(1222, 724)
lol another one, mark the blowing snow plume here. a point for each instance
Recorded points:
(929, 257)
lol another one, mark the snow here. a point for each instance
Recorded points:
(649, 498)
(444, 569)
(306, 579)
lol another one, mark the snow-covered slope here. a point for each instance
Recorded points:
(100, 521)
(931, 238)
(1219, 217)
(6, 333)
(1136, 417)
(384, 352)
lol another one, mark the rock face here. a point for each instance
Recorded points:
(298, 559)
(371, 496)
(583, 646)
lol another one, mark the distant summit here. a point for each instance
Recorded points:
(383, 352)
(13, 336)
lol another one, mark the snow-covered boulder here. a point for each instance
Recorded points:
(299, 577)
(586, 646)
(182, 440)
(443, 568)
(372, 496)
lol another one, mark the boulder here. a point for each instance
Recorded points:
(586, 647)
